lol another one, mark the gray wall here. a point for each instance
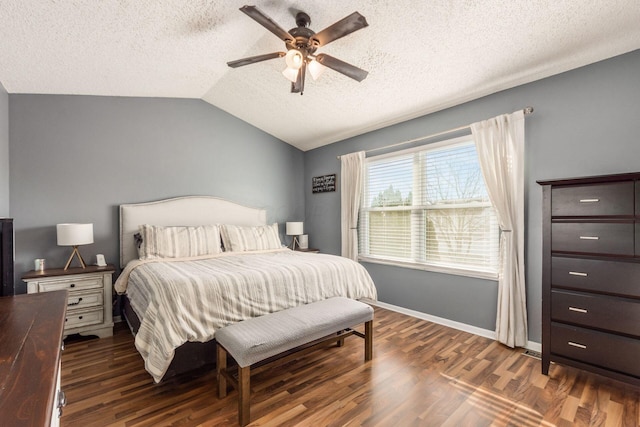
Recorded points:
(76, 158)
(4, 152)
(585, 123)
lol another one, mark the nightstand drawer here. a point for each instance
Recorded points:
(593, 237)
(83, 299)
(70, 283)
(596, 348)
(619, 278)
(85, 317)
(593, 200)
(614, 314)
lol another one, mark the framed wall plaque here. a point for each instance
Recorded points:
(323, 184)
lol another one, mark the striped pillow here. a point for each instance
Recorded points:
(240, 239)
(178, 242)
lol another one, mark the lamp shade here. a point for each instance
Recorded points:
(295, 228)
(291, 74)
(74, 234)
(294, 59)
(316, 69)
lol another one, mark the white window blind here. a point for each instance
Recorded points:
(428, 207)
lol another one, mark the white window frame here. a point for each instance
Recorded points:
(418, 207)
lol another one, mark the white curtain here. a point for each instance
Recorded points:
(352, 179)
(500, 145)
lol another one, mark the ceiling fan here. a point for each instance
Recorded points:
(301, 43)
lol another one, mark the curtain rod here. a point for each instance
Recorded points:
(526, 111)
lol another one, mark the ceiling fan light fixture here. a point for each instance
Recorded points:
(294, 59)
(291, 74)
(316, 69)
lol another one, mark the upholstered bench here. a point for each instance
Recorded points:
(259, 340)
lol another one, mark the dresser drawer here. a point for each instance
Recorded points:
(597, 348)
(84, 317)
(70, 283)
(598, 311)
(83, 299)
(620, 278)
(593, 200)
(593, 237)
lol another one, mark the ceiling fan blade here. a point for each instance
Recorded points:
(342, 67)
(298, 86)
(253, 59)
(345, 26)
(267, 22)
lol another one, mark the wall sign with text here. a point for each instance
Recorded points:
(323, 184)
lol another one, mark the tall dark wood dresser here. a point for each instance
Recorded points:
(591, 274)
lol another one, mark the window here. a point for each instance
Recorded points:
(428, 208)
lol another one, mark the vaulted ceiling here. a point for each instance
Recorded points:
(422, 56)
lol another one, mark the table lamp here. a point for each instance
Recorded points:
(74, 235)
(294, 229)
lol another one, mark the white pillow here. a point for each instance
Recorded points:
(178, 242)
(237, 238)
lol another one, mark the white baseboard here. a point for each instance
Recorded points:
(531, 345)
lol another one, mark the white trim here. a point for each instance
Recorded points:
(430, 267)
(486, 333)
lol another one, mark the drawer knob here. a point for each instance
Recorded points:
(577, 273)
(589, 200)
(73, 285)
(576, 309)
(575, 344)
(589, 238)
(62, 401)
(75, 303)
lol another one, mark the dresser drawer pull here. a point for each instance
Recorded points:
(62, 401)
(73, 285)
(75, 303)
(589, 200)
(579, 310)
(577, 273)
(575, 344)
(589, 238)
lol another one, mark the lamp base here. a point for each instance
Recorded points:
(294, 243)
(74, 253)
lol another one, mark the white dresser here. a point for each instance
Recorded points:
(89, 302)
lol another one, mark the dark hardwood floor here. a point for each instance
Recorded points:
(422, 374)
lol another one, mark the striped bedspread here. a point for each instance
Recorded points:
(182, 301)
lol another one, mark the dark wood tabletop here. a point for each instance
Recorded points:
(31, 328)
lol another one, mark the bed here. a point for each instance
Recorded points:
(178, 294)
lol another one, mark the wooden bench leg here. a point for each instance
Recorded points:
(340, 342)
(244, 395)
(221, 365)
(368, 340)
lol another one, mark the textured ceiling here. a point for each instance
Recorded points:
(422, 55)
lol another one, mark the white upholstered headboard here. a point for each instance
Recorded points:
(189, 210)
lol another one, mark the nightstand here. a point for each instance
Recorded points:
(89, 303)
(309, 250)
